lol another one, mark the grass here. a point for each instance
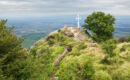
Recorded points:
(83, 62)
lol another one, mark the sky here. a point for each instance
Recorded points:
(62, 7)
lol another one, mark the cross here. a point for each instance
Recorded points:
(78, 20)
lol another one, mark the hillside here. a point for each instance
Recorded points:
(71, 54)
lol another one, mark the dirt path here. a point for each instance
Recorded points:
(57, 61)
(60, 57)
(53, 76)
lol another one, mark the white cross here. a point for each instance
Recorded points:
(78, 22)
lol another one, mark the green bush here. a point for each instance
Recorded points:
(128, 39)
(122, 49)
(82, 46)
(59, 38)
(102, 75)
(67, 69)
(122, 39)
(109, 47)
(59, 30)
(72, 69)
(33, 51)
(122, 73)
(51, 42)
(2, 77)
(125, 47)
(87, 71)
(57, 50)
(76, 49)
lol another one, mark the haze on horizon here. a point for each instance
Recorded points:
(62, 7)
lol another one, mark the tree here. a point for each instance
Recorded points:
(10, 49)
(100, 24)
(9, 42)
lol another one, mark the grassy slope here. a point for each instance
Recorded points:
(83, 62)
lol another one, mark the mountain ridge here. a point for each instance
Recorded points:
(85, 55)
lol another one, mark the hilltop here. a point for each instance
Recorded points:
(71, 54)
(68, 53)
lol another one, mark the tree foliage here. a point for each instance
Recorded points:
(9, 42)
(100, 24)
(82, 63)
(10, 49)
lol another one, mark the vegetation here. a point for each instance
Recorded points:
(83, 63)
(101, 25)
(10, 51)
(124, 39)
(109, 47)
(87, 60)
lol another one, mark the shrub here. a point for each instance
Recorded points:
(82, 46)
(76, 68)
(87, 71)
(125, 47)
(67, 69)
(123, 73)
(33, 51)
(122, 39)
(59, 30)
(57, 50)
(122, 49)
(102, 75)
(128, 39)
(2, 77)
(109, 47)
(51, 42)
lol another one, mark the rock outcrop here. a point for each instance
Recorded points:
(77, 33)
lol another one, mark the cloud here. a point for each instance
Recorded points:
(62, 7)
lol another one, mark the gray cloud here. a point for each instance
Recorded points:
(58, 7)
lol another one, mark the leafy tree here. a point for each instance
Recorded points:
(10, 48)
(9, 42)
(100, 24)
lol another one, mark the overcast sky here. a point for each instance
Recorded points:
(62, 7)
